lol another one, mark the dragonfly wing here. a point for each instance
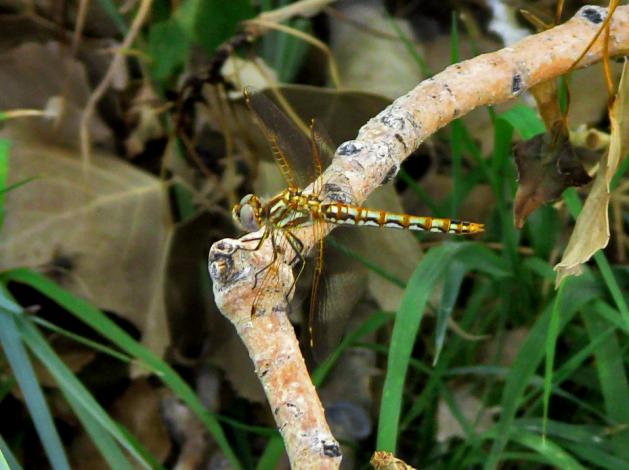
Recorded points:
(291, 147)
(342, 283)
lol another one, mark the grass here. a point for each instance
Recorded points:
(561, 401)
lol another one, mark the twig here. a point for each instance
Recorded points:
(97, 94)
(359, 167)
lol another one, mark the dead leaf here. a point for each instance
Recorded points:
(139, 410)
(591, 232)
(188, 433)
(30, 75)
(232, 357)
(74, 355)
(546, 96)
(449, 426)
(106, 221)
(547, 165)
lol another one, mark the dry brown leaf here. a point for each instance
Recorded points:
(473, 410)
(547, 165)
(30, 75)
(187, 431)
(138, 409)
(74, 355)
(232, 357)
(106, 222)
(591, 232)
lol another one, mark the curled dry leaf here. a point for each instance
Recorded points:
(144, 118)
(382, 460)
(547, 165)
(591, 232)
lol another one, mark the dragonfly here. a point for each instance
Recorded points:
(300, 160)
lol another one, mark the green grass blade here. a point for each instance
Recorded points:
(7, 459)
(11, 187)
(272, 453)
(78, 396)
(540, 267)
(570, 367)
(456, 153)
(373, 323)
(456, 129)
(420, 404)
(473, 257)
(612, 378)
(524, 120)
(612, 285)
(578, 293)
(551, 344)
(100, 437)
(597, 457)
(405, 329)
(346, 250)
(421, 193)
(101, 323)
(451, 286)
(96, 346)
(611, 315)
(555, 455)
(4, 175)
(410, 48)
(4, 465)
(20, 363)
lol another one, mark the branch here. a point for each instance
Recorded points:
(359, 167)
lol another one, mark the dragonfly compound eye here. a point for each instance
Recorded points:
(247, 213)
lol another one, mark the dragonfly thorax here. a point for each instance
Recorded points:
(247, 213)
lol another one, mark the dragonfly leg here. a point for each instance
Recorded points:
(261, 239)
(274, 249)
(298, 246)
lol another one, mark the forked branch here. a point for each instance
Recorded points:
(359, 167)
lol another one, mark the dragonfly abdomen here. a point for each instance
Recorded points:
(345, 214)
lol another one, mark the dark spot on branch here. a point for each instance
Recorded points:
(516, 84)
(331, 450)
(335, 192)
(399, 138)
(593, 14)
(392, 122)
(348, 148)
(391, 174)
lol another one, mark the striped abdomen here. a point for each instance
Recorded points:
(343, 214)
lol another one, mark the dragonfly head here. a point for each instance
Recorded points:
(247, 213)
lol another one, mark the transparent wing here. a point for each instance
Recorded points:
(334, 295)
(291, 147)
